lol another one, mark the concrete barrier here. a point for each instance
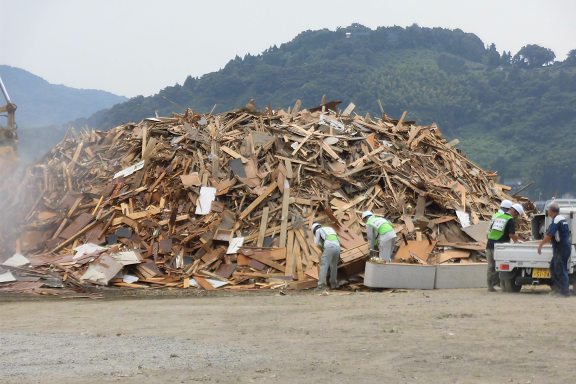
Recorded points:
(450, 276)
(406, 276)
(413, 276)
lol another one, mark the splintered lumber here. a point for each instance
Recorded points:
(284, 219)
(231, 197)
(305, 284)
(268, 262)
(258, 200)
(290, 265)
(263, 224)
(298, 260)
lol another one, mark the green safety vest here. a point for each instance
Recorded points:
(499, 222)
(381, 224)
(330, 234)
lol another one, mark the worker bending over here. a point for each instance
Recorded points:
(559, 233)
(502, 229)
(327, 239)
(380, 233)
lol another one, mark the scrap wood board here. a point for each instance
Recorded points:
(452, 254)
(348, 239)
(420, 248)
(355, 253)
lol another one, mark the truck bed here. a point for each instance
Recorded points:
(525, 256)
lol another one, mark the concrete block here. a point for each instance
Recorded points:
(405, 276)
(449, 276)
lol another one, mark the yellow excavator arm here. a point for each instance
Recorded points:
(8, 137)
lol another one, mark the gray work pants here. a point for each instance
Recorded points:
(385, 248)
(492, 278)
(330, 257)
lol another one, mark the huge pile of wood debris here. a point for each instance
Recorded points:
(227, 201)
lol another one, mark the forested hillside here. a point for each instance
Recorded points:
(514, 113)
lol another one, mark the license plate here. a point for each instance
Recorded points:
(541, 273)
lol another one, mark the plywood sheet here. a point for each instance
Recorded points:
(420, 248)
(478, 231)
(80, 222)
(348, 239)
(453, 254)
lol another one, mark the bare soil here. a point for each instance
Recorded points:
(440, 336)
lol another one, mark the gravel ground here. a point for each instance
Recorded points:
(25, 356)
(460, 336)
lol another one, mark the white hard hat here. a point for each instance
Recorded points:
(518, 208)
(366, 214)
(506, 204)
(315, 226)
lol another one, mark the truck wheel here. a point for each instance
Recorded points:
(511, 287)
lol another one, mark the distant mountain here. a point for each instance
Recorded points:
(44, 107)
(512, 113)
(41, 103)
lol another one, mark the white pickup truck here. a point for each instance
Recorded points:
(521, 263)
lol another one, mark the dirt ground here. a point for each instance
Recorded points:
(440, 336)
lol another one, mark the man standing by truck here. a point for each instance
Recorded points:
(505, 205)
(559, 233)
(502, 229)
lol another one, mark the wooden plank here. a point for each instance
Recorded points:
(399, 125)
(204, 283)
(234, 154)
(263, 225)
(75, 158)
(290, 255)
(303, 244)
(469, 246)
(453, 254)
(289, 170)
(409, 224)
(284, 218)
(298, 260)
(308, 135)
(296, 161)
(350, 205)
(443, 219)
(420, 248)
(256, 274)
(268, 262)
(348, 109)
(330, 151)
(355, 253)
(306, 284)
(260, 198)
(77, 235)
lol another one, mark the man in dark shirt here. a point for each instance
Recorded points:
(502, 229)
(559, 233)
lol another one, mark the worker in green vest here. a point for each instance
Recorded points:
(327, 239)
(380, 233)
(505, 206)
(502, 229)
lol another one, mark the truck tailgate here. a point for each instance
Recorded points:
(522, 255)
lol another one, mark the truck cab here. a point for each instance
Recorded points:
(522, 265)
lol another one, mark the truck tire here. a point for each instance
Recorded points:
(510, 286)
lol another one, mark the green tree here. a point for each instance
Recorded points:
(533, 56)
(571, 58)
(493, 58)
